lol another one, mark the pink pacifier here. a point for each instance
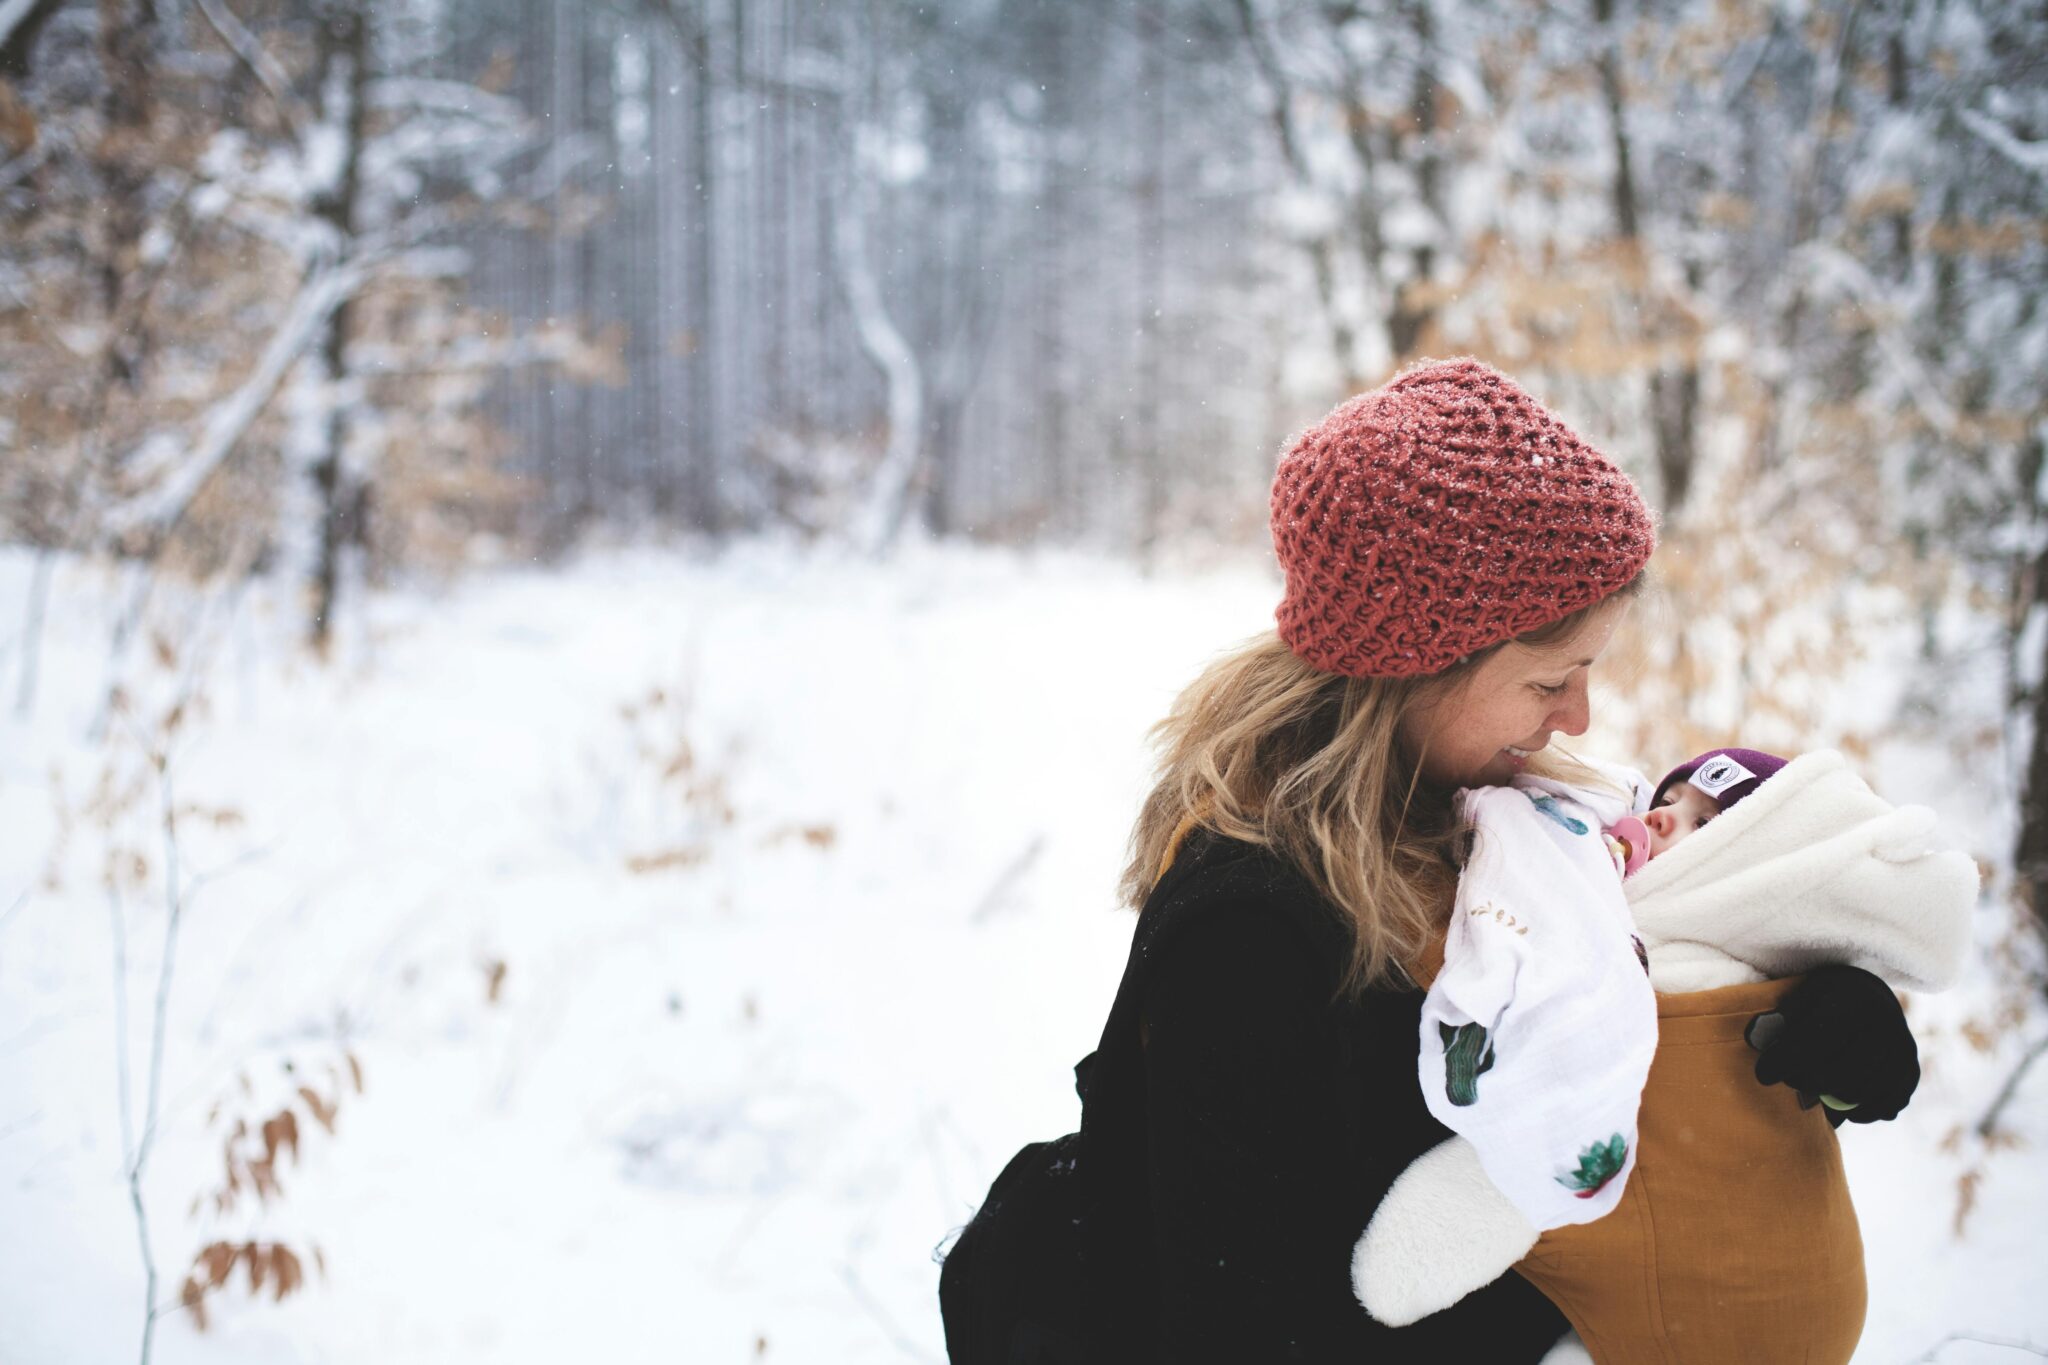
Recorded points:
(1634, 834)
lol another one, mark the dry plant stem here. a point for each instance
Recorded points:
(1989, 1123)
(132, 1156)
(32, 630)
(137, 1146)
(1934, 1352)
(143, 578)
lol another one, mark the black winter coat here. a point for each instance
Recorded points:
(1241, 1147)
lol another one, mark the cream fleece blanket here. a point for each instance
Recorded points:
(1811, 868)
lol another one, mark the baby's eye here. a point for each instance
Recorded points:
(1701, 823)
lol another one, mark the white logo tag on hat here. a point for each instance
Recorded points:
(1718, 774)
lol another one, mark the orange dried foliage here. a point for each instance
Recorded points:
(249, 1158)
(660, 726)
(1966, 1197)
(323, 1110)
(640, 864)
(268, 1263)
(249, 1155)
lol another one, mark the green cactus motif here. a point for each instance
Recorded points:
(1468, 1052)
(1598, 1164)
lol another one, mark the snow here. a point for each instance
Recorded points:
(728, 1103)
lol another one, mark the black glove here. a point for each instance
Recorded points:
(1839, 1034)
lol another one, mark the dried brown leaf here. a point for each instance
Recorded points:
(194, 1299)
(641, 864)
(322, 1110)
(281, 1131)
(217, 1259)
(1966, 1196)
(264, 1177)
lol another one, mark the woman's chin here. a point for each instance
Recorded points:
(1497, 771)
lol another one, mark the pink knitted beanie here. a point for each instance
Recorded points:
(1441, 513)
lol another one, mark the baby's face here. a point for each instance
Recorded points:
(1684, 809)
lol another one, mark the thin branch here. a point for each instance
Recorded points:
(1933, 1352)
(15, 908)
(324, 290)
(134, 1154)
(993, 901)
(896, 1334)
(1989, 1123)
(2032, 156)
(246, 46)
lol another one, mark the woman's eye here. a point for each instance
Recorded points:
(1547, 689)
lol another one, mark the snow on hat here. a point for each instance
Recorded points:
(1727, 775)
(1441, 513)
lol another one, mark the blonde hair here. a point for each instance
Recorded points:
(1266, 748)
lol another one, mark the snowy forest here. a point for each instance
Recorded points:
(582, 585)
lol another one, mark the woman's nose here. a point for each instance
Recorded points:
(1576, 714)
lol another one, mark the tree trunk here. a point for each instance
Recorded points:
(1674, 390)
(888, 500)
(701, 482)
(1411, 315)
(341, 494)
(2030, 860)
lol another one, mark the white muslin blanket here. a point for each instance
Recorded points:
(1538, 1032)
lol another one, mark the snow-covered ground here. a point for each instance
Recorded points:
(642, 1082)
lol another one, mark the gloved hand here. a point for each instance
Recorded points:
(1840, 1037)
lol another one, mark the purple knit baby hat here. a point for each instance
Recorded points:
(1722, 774)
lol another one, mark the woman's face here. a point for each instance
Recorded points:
(1483, 732)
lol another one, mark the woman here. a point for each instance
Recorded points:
(1457, 562)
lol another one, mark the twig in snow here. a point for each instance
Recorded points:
(1933, 1352)
(998, 893)
(881, 1316)
(1989, 1123)
(136, 1145)
(15, 908)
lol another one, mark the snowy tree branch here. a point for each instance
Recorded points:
(444, 97)
(246, 46)
(187, 469)
(892, 354)
(2032, 156)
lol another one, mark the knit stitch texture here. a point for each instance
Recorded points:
(1441, 513)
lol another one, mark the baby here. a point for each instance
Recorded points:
(1540, 1028)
